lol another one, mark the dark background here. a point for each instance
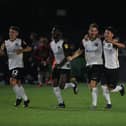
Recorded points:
(74, 17)
(41, 15)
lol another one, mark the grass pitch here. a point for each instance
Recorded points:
(42, 110)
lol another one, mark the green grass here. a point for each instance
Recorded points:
(42, 111)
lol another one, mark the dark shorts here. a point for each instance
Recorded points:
(110, 77)
(16, 73)
(94, 72)
(57, 73)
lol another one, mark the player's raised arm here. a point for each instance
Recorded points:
(116, 43)
(25, 48)
(76, 54)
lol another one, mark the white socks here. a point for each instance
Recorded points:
(20, 93)
(17, 91)
(117, 89)
(69, 85)
(94, 96)
(106, 94)
(57, 93)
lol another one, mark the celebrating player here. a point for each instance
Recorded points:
(61, 72)
(111, 70)
(14, 48)
(92, 48)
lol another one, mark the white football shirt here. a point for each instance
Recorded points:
(93, 51)
(110, 55)
(57, 49)
(14, 60)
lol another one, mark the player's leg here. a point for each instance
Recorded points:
(106, 94)
(16, 89)
(23, 94)
(105, 89)
(56, 88)
(22, 90)
(15, 81)
(114, 81)
(71, 82)
(93, 77)
(94, 92)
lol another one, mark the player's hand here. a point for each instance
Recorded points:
(19, 51)
(69, 58)
(86, 37)
(108, 40)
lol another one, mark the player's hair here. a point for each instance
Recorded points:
(111, 29)
(15, 28)
(93, 25)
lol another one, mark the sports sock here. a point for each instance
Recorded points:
(117, 89)
(106, 94)
(57, 93)
(16, 91)
(23, 94)
(69, 85)
(94, 96)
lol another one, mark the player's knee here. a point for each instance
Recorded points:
(13, 81)
(55, 83)
(93, 84)
(73, 79)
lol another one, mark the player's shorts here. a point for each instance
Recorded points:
(58, 72)
(110, 77)
(94, 72)
(16, 73)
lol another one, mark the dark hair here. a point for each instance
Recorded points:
(93, 25)
(16, 28)
(111, 29)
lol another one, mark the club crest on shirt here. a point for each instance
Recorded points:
(66, 46)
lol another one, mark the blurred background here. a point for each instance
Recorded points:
(75, 16)
(39, 16)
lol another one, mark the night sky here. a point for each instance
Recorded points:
(40, 16)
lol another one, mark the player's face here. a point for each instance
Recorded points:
(13, 34)
(93, 32)
(43, 41)
(56, 35)
(108, 35)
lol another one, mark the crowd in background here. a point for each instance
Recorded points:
(38, 63)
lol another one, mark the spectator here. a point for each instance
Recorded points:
(31, 64)
(43, 57)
